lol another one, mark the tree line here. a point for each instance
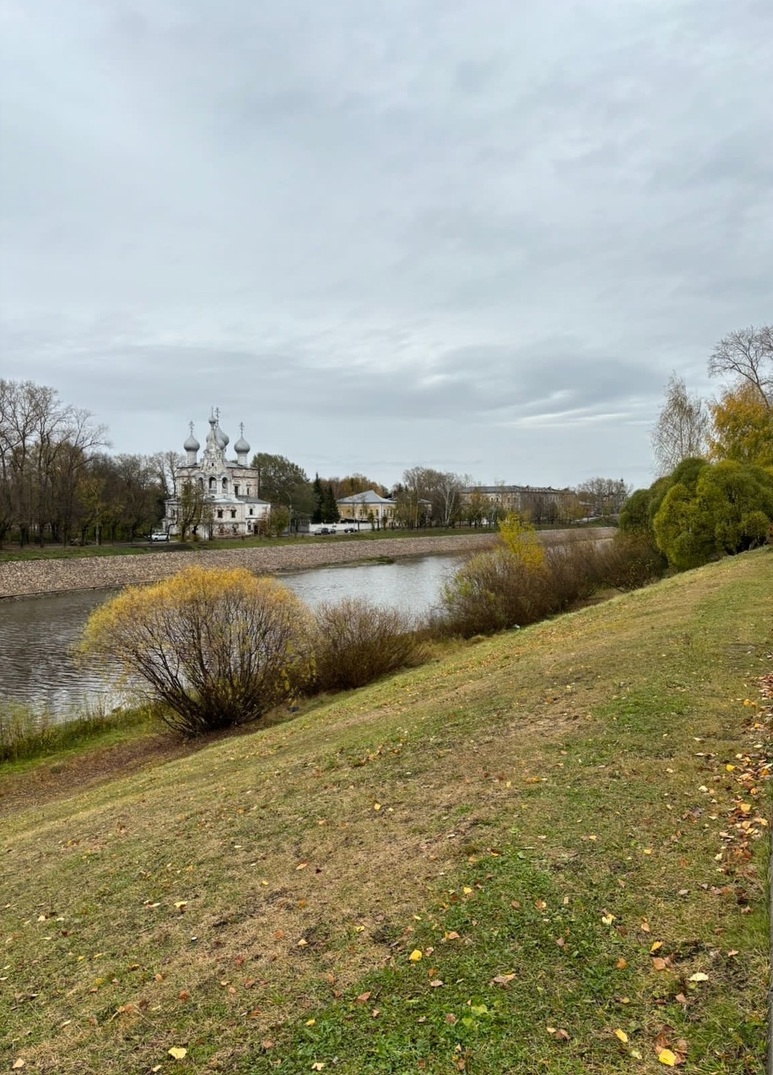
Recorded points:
(59, 484)
(714, 492)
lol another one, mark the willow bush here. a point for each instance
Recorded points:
(358, 641)
(217, 647)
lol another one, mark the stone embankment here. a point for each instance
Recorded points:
(26, 578)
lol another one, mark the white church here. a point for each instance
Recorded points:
(230, 487)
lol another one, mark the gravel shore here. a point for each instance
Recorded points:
(30, 577)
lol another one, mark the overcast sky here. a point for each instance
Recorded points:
(476, 235)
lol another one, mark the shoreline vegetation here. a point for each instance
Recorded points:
(36, 577)
(543, 850)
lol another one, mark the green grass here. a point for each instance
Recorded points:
(27, 734)
(548, 804)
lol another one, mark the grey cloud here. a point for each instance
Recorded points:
(395, 220)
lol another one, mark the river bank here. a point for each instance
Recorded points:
(554, 829)
(36, 577)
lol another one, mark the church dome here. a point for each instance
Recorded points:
(241, 447)
(222, 438)
(191, 444)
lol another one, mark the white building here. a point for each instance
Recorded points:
(228, 489)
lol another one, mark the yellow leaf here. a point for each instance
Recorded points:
(656, 946)
(415, 955)
(665, 1056)
(310, 1022)
(621, 1036)
(376, 806)
(699, 976)
(18, 1064)
(467, 890)
(607, 918)
(318, 1066)
(636, 1054)
(177, 1052)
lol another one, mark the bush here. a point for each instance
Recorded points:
(491, 592)
(358, 641)
(217, 647)
(496, 590)
(630, 560)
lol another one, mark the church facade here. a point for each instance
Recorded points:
(220, 494)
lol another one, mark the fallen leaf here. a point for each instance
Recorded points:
(18, 1064)
(450, 1019)
(621, 963)
(502, 979)
(452, 935)
(436, 983)
(665, 1056)
(621, 1036)
(177, 1052)
(699, 976)
(656, 946)
(363, 998)
(415, 955)
(318, 1065)
(607, 918)
(301, 865)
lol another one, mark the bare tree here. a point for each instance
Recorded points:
(747, 356)
(603, 496)
(681, 429)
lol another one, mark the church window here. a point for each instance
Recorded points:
(220, 513)
(236, 490)
(233, 513)
(211, 485)
(250, 511)
(225, 485)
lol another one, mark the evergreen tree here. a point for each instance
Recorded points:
(318, 514)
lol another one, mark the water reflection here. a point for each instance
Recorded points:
(37, 635)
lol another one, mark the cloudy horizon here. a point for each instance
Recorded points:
(473, 237)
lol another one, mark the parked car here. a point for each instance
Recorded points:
(350, 530)
(159, 536)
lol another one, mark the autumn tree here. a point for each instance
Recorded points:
(681, 428)
(215, 647)
(355, 483)
(742, 427)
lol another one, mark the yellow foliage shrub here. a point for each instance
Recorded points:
(520, 539)
(217, 647)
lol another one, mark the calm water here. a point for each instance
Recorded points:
(37, 634)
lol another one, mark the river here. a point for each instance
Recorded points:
(37, 634)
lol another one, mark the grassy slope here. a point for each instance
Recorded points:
(546, 805)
